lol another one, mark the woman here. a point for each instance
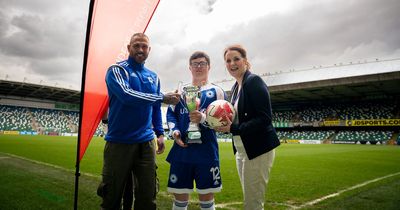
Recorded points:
(254, 137)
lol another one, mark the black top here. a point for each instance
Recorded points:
(255, 116)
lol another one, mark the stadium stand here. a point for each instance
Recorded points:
(330, 105)
(47, 121)
(15, 118)
(56, 122)
(351, 111)
(42, 121)
(342, 116)
(39, 120)
(305, 135)
(398, 139)
(364, 136)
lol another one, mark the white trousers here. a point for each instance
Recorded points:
(254, 175)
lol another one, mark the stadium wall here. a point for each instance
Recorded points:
(27, 103)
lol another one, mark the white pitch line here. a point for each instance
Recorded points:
(345, 190)
(225, 205)
(290, 206)
(50, 165)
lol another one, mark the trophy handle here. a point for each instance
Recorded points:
(179, 88)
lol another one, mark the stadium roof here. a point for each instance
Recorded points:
(37, 91)
(369, 86)
(350, 81)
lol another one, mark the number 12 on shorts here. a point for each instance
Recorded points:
(215, 173)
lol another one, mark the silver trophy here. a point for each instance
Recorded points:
(191, 94)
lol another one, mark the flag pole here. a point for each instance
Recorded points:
(85, 56)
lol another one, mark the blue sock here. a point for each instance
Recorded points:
(180, 205)
(207, 205)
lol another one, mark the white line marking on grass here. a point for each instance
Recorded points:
(50, 165)
(345, 190)
(225, 205)
(290, 206)
(4, 157)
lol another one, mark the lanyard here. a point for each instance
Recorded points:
(235, 95)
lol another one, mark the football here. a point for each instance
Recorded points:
(218, 111)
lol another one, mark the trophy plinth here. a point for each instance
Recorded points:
(191, 95)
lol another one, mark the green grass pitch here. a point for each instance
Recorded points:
(301, 173)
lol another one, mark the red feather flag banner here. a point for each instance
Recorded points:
(111, 23)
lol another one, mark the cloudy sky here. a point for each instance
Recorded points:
(43, 40)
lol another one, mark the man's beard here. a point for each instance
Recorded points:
(140, 57)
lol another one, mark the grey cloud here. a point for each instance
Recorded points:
(3, 24)
(319, 34)
(206, 6)
(170, 64)
(40, 38)
(44, 36)
(322, 33)
(48, 34)
(42, 6)
(58, 69)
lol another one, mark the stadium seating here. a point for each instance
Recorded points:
(101, 130)
(398, 139)
(43, 121)
(364, 136)
(50, 120)
(16, 118)
(338, 112)
(305, 135)
(283, 116)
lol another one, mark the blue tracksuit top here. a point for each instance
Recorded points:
(178, 119)
(134, 103)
